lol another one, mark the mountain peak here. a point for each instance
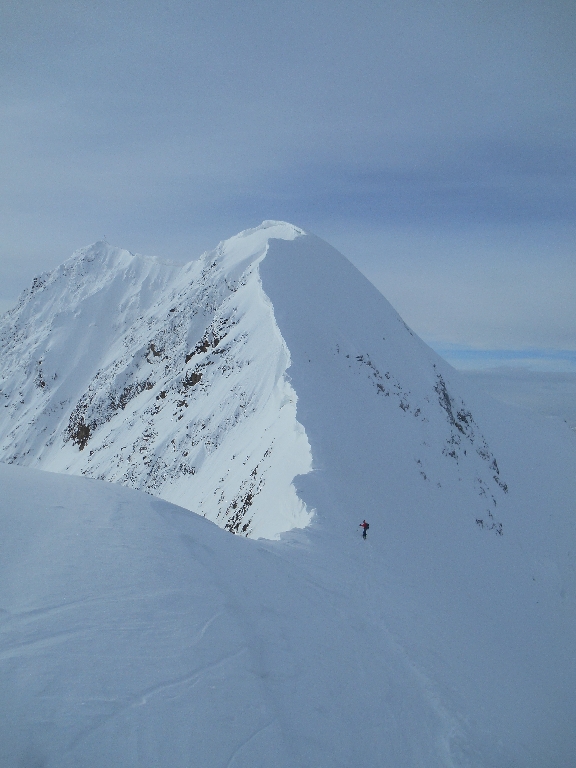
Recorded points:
(268, 224)
(174, 380)
(99, 249)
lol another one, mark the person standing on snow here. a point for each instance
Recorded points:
(364, 525)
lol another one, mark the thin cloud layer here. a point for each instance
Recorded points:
(167, 127)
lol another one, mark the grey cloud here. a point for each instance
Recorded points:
(170, 125)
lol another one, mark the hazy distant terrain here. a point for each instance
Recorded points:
(546, 392)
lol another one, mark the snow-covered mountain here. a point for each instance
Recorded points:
(174, 381)
(270, 387)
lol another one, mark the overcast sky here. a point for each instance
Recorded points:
(432, 142)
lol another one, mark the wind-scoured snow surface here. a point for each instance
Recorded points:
(135, 633)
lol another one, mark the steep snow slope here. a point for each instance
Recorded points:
(167, 379)
(385, 415)
(471, 504)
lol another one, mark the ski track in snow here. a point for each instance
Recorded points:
(141, 698)
(248, 741)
